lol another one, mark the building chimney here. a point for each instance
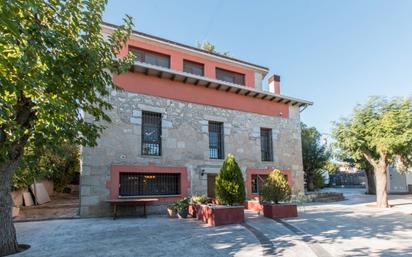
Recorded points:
(274, 84)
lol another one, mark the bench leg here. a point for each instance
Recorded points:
(144, 210)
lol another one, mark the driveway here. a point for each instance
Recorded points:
(346, 228)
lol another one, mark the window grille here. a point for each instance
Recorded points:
(266, 144)
(216, 149)
(146, 184)
(151, 133)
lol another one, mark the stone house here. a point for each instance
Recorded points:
(181, 111)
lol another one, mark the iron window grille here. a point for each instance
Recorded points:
(147, 184)
(216, 144)
(230, 76)
(266, 144)
(151, 133)
(193, 67)
(150, 57)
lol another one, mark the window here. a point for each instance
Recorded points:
(151, 133)
(193, 67)
(142, 184)
(230, 76)
(257, 183)
(151, 57)
(266, 144)
(216, 140)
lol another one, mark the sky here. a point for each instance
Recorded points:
(334, 53)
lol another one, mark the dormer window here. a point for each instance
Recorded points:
(146, 56)
(193, 67)
(230, 76)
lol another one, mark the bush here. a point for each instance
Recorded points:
(230, 188)
(181, 205)
(276, 188)
(199, 199)
(318, 180)
(60, 165)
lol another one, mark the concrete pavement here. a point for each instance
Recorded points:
(346, 228)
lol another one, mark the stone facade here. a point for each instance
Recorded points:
(185, 142)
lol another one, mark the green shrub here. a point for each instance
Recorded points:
(199, 199)
(318, 181)
(60, 165)
(276, 188)
(230, 188)
(181, 205)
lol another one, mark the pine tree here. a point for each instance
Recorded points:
(230, 187)
(276, 188)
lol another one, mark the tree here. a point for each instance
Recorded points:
(230, 187)
(314, 155)
(276, 188)
(55, 65)
(209, 47)
(379, 132)
(331, 167)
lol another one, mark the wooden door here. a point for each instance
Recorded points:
(211, 185)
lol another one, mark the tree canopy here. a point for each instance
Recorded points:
(55, 65)
(230, 187)
(315, 155)
(379, 132)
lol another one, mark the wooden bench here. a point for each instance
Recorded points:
(131, 201)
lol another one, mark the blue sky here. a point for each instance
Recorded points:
(334, 53)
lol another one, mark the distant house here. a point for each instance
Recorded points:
(181, 111)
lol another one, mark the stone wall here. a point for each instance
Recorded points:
(185, 142)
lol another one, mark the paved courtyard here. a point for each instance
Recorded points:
(346, 228)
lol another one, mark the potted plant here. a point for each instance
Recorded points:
(230, 193)
(275, 190)
(181, 208)
(171, 211)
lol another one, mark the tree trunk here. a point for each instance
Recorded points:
(8, 241)
(310, 182)
(381, 186)
(370, 180)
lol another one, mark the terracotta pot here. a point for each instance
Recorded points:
(171, 213)
(279, 211)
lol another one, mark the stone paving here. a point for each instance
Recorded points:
(346, 228)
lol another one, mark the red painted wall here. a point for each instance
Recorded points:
(140, 83)
(177, 57)
(113, 183)
(265, 171)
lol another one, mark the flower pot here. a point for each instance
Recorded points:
(182, 214)
(279, 211)
(171, 213)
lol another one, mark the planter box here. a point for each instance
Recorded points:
(279, 211)
(194, 209)
(253, 206)
(217, 215)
